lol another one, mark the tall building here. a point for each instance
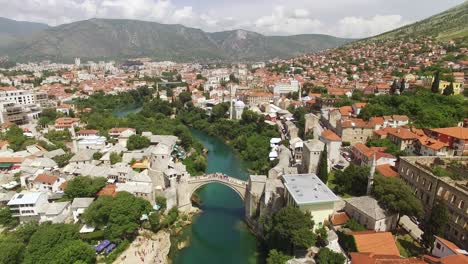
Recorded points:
(77, 62)
(12, 113)
(21, 97)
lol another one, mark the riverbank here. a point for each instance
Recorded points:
(147, 248)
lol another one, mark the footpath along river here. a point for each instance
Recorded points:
(218, 234)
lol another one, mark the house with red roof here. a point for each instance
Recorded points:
(455, 137)
(387, 170)
(446, 252)
(63, 123)
(364, 155)
(403, 138)
(46, 182)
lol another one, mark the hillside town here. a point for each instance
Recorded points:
(368, 140)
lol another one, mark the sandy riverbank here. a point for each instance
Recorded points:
(147, 248)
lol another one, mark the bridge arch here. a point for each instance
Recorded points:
(194, 187)
(189, 186)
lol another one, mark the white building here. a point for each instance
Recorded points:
(310, 194)
(333, 142)
(446, 249)
(21, 97)
(28, 205)
(238, 109)
(286, 88)
(46, 183)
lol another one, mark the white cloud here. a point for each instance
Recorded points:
(298, 17)
(362, 27)
(285, 22)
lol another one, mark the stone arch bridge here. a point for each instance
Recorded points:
(188, 187)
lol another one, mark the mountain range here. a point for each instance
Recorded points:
(451, 24)
(120, 39)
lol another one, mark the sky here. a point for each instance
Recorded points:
(342, 18)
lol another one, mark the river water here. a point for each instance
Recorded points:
(218, 234)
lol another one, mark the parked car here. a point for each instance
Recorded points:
(338, 167)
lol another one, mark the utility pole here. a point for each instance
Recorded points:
(370, 181)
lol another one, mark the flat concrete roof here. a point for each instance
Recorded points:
(308, 189)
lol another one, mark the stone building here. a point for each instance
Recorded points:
(311, 155)
(367, 211)
(418, 172)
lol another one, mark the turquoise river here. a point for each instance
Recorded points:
(219, 234)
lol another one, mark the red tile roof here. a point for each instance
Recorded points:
(380, 243)
(456, 132)
(403, 133)
(330, 135)
(368, 258)
(109, 189)
(386, 170)
(339, 218)
(45, 178)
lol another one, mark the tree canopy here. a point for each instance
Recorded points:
(353, 180)
(397, 197)
(327, 256)
(84, 186)
(426, 109)
(289, 229)
(435, 225)
(137, 142)
(119, 216)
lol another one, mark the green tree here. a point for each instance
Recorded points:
(161, 201)
(327, 256)
(435, 225)
(394, 87)
(47, 242)
(185, 97)
(435, 83)
(449, 89)
(119, 215)
(353, 180)
(289, 228)
(84, 186)
(397, 197)
(402, 85)
(323, 166)
(137, 142)
(6, 219)
(115, 158)
(219, 111)
(15, 138)
(97, 155)
(249, 116)
(277, 257)
(63, 160)
(155, 222)
(11, 250)
(75, 251)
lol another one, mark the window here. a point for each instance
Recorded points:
(438, 245)
(461, 204)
